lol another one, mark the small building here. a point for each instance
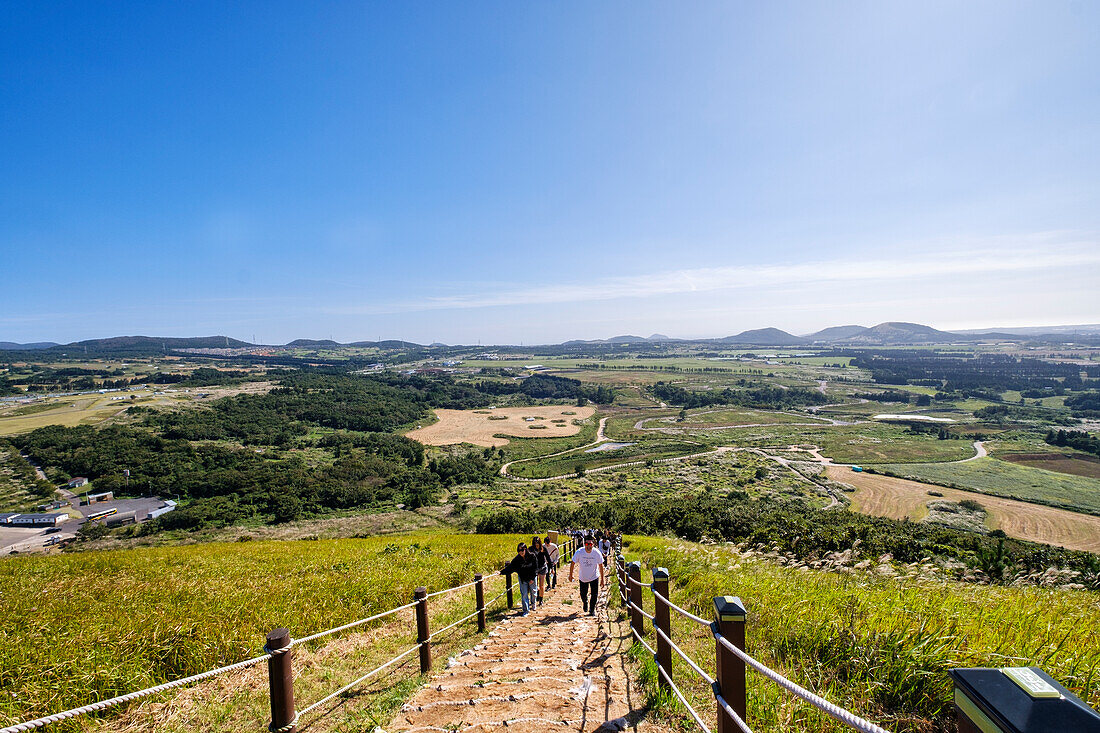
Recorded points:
(99, 498)
(38, 520)
(169, 505)
(77, 482)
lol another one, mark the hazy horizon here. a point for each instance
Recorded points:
(503, 173)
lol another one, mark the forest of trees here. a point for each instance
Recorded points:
(1086, 404)
(995, 372)
(752, 396)
(246, 474)
(1077, 439)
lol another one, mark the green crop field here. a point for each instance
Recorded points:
(881, 646)
(863, 443)
(569, 462)
(716, 474)
(1001, 478)
(709, 418)
(84, 627)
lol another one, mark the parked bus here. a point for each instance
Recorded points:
(101, 514)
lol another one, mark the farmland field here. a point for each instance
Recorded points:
(1002, 478)
(1086, 466)
(887, 496)
(481, 427)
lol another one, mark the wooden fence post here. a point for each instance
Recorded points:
(479, 594)
(730, 623)
(634, 571)
(620, 575)
(280, 677)
(508, 589)
(422, 633)
(662, 621)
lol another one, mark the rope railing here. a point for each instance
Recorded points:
(844, 716)
(672, 685)
(357, 681)
(104, 704)
(345, 627)
(279, 655)
(639, 609)
(683, 612)
(445, 629)
(728, 687)
(451, 590)
(683, 655)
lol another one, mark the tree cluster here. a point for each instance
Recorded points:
(763, 397)
(1077, 439)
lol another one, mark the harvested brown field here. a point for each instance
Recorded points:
(886, 496)
(1074, 465)
(480, 427)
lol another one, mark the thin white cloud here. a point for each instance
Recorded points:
(919, 263)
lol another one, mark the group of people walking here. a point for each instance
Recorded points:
(537, 568)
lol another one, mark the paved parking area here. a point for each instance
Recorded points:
(141, 507)
(33, 539)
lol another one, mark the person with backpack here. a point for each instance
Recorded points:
(525, 566)
(554, 553)
(542, 558)
(605, 549)
(591, 572)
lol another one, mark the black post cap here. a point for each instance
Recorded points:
(729, 608)
(1020, 700)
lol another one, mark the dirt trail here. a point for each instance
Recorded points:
(556, 669)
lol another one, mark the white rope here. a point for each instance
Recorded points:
(57, 717)
(732, 713)
(347, 687)
(691, 662)
(635, 582)
(353, 624)
(642, 641)
(676, 690)
(448, 590)
(640, 610)
(104, 704)
(498, 596)
(456, 623)
(844, 716)
(682, 612)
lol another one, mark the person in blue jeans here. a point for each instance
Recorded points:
(525, 566)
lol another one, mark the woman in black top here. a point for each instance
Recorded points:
(525, 565)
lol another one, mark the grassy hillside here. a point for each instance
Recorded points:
(83, 627)
(876, 644)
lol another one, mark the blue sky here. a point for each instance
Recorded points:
(532, 172)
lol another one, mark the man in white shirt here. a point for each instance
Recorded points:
(590, 561)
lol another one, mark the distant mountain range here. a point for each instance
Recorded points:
(891, 333)
(12, 346)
